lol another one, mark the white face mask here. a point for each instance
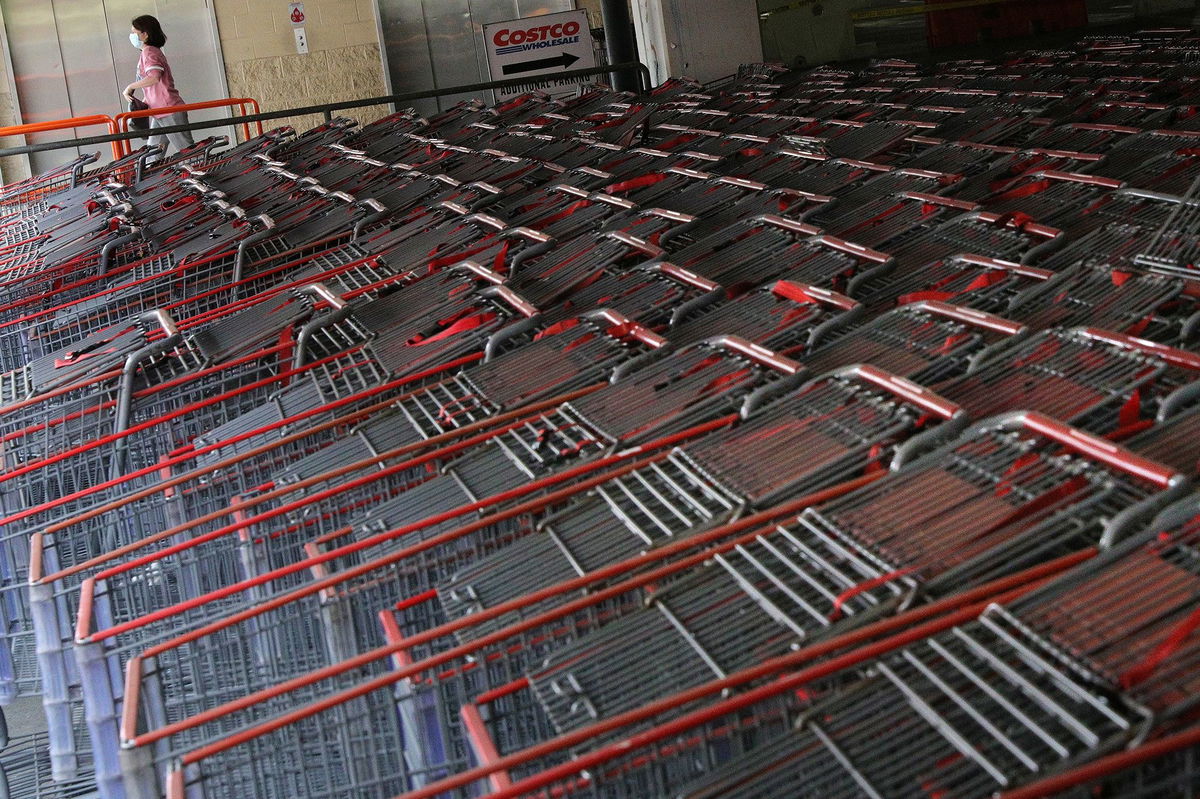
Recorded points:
(135, 41)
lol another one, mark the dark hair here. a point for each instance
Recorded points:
(149, 26)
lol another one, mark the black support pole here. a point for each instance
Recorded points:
(619, 41)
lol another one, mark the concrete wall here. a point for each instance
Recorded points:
(343, 62)
(673, 40)
(14, 167)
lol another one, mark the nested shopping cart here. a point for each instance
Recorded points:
(1141, 304)
(1086, 137)
(705, 381)
(1160, 160)
(1032, 688)
(845, 392)
(763, 248)
(804, 171)
(1100, 381)
(593, 344)
(848, 423)
(207, 767)
(677, 736)
(784, 316)
(714, 200)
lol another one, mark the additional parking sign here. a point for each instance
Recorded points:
(537, 47)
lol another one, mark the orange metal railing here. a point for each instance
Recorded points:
(121, 121)
(65, 124)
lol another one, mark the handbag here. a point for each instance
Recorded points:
(138, 123)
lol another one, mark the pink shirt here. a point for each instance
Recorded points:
(163, 93)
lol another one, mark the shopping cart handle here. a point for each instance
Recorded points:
(1004, 266)
(1076, 177)
(1014, 221)
(936, 199)
(480, 271)
(802, 292)
(372, 205)
(685, 276)
(609, 199)
(566, 188)
(1070, 154)
(742, 183)
(674, 216)
(514, 300)
(483, 186)
(1090, 446)
(1176, 357)
(694, 174)
(621, 325)
(903, 388)
(363, 159)
(453, 207)
(283, 172)
(162, 319)
(969, 316)
(535, 236)
(868, 165)
(786, 224)
(650, 250)
(794, 153)
(851, 248)
(755, 352)
(928, 173)
(487, 220)
(323, 293)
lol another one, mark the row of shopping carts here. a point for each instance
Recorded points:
(822, 433)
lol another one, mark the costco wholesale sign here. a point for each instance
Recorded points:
(538, 48)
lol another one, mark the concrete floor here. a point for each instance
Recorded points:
(25, 716)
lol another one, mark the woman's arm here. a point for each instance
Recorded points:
(150, 80)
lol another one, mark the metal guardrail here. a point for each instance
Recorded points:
(121, 121)
(328, 109)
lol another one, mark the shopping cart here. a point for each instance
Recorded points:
(767, 247)
(784, 316)
(970, 281)
(803, 171)
(666, 753)
(25, 769)
(1139, 304)
(828, 392)
(1159, 160)
(434, 553)
(1094, 379)
(1083, 137)
(570, 707)
(965, 695)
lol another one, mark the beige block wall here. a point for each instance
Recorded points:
(343, 62)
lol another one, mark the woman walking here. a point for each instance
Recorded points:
(156, 82)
